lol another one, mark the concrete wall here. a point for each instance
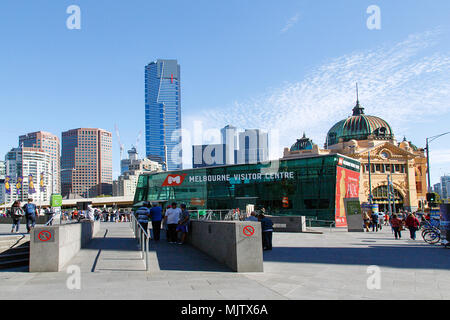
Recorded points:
(51, 248)
(226, 242)
(288, 223)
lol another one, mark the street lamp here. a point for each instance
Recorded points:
(431, 139)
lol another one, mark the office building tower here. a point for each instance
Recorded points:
(25, 168)
(125, 163)
(49, 143)
(163, 113)
(2, 181)
(253, 146)
(86, 162)
(437, 189)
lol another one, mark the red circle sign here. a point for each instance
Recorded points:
(249, 231)
(44, 236)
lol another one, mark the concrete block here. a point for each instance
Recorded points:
(227, 242)
(51, 248)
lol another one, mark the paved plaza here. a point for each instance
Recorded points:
(332, 265)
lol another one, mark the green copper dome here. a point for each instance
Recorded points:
(302, 144)
(359, 127)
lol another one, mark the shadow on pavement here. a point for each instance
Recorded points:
(408, 256)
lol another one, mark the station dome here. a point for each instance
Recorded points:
(359, 127)
(302, 144)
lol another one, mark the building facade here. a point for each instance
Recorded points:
(28, 175)
(50, 144)
(317, 187)
(86, 162)
(163, 113)
(369, 138)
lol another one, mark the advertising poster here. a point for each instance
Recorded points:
(347, 186)
(445, 223)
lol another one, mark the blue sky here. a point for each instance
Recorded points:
(288, 65)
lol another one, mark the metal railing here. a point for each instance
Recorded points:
(219, 215)
(143, 239)
(332, 224)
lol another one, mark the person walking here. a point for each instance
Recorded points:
(143, 215)
(49, 214)
(396, 224)
(375, 219)
(30, 214)
(183, 224)
(413, 224)
(381, 217)
(267, 230)
(366, 219)
(156, 216)
(171, 219)
(252, 217)
(16, 214)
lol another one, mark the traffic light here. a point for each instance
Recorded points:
(431, 197)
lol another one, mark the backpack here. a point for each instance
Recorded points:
(30, 209)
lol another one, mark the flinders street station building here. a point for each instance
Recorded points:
(370, 139)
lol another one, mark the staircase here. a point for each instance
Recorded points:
(14, 251)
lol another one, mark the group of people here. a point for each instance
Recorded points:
(29, 211)
(176, 221)
(376, 220)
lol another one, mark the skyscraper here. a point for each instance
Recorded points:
(163, 113)
(49, 143)
(86, 162)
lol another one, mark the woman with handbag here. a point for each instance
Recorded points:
(16, 214)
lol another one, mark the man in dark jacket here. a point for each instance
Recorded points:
(30, 214)
(267, 230)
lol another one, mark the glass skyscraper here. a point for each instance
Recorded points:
(163, 113)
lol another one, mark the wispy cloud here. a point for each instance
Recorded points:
(290, 23)
(399, 83)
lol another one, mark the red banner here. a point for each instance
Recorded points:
(347, 186)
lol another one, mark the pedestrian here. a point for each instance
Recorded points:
(16, 214)
(366, 219)
(386, 219)
(252, 217)
(267, 230)
(171, 219)
(413, 224)
(156, 216)
(143, 215)
(396, 224)
(381, 217)
(49, 213)
(183, 224)
(30, 214)
(374, 217)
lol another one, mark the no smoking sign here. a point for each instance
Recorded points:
(249, 231)
(43, 236)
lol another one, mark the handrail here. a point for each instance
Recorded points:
(143, 239)
(332, 223)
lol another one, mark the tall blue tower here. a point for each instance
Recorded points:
(163, 113)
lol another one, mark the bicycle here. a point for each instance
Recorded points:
(431, 235)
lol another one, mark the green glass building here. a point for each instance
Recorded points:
(307, 186)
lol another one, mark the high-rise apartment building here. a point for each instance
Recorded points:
(49, 143)
(163, 113)
(86, 162)
(25, 167)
